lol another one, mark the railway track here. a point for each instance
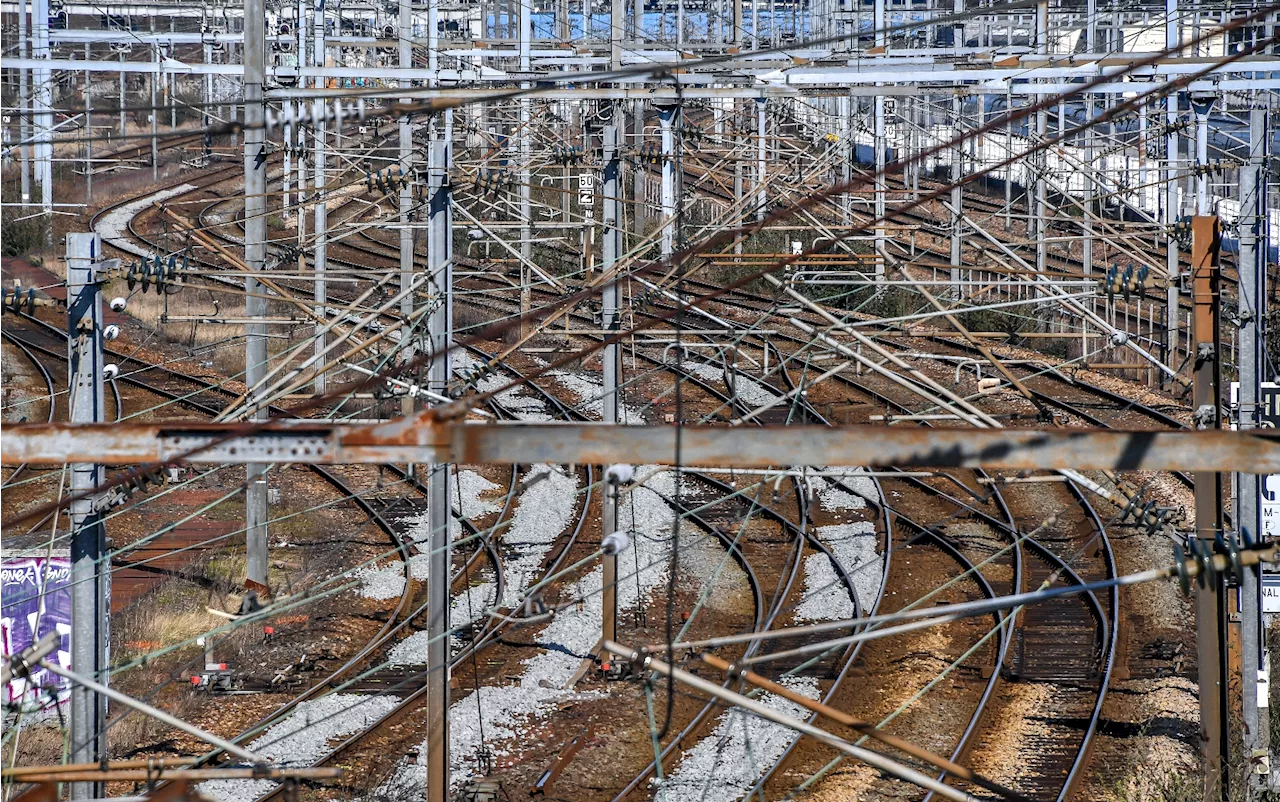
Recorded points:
(1081, 658)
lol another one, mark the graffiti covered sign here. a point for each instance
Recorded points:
(35, 599)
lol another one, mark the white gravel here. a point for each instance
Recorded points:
(468, 607)
(303, 738)
(590, 392)
(724, 766)
(542, 513)
(509, 710)
(750, 391)
(113, 226)
(525, 407)
(854, 546)
(468, 502)
(835, 499)
(544, 510)
(387, 582)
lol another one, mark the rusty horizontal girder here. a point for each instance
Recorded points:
(426, 438)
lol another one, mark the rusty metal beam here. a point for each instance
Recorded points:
(1211, 611)
(425, 438)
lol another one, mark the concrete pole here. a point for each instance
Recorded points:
(288, 136)
(154, 114)
(1091, 26)
(617, 33)
(43, 77)
(762, 197)
(319, 260)
(1041, 162)
(405, 51)
(739, 170)
(669, 117)
(1172, 267)
(24, 104)
(639, 175)
(524, 175)
(124, 127)
(88, 129)
(1202, 106)
(433, 38)
(90, 584)
(881, 148)
(612, 249)
(207, 89)
(440, 265)
(1251, 361)
(845, 106)
(737, 22)
(255, 256)
(957, 211)
(1086, 223)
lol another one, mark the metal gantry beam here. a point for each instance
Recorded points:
(426, 438)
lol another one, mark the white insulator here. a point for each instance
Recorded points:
(1119, 338)
(619, 474)
(615, 543)
(118, 304)
(110, 371)
(111, 332)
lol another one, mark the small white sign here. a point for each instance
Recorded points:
(1269, 486)
(1271, 593)
(586, 189)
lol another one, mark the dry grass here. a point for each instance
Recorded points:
(171, 614)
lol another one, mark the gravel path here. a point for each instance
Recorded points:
(504, 712)
(724, 766)
(302, 738)
(387, 582)
(113, 227)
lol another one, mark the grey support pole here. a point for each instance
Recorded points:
(154, 114)
(43, 93)
(255, 256)
(1202, 105)
(1086, 222)
(639, 173)
(24, 104)
(405, 166)
(612, 249)
(319, 261)
(525, 174)
(88, 130)
(90, 583)
(881, 157)
(617, 32)
(1167, 176)
(669, 117)
(524, 178)
(762, 197)
(1251, 360)
(1040, 232)
(957, 210)
(440, 264)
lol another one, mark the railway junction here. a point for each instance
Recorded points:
(668, 400)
